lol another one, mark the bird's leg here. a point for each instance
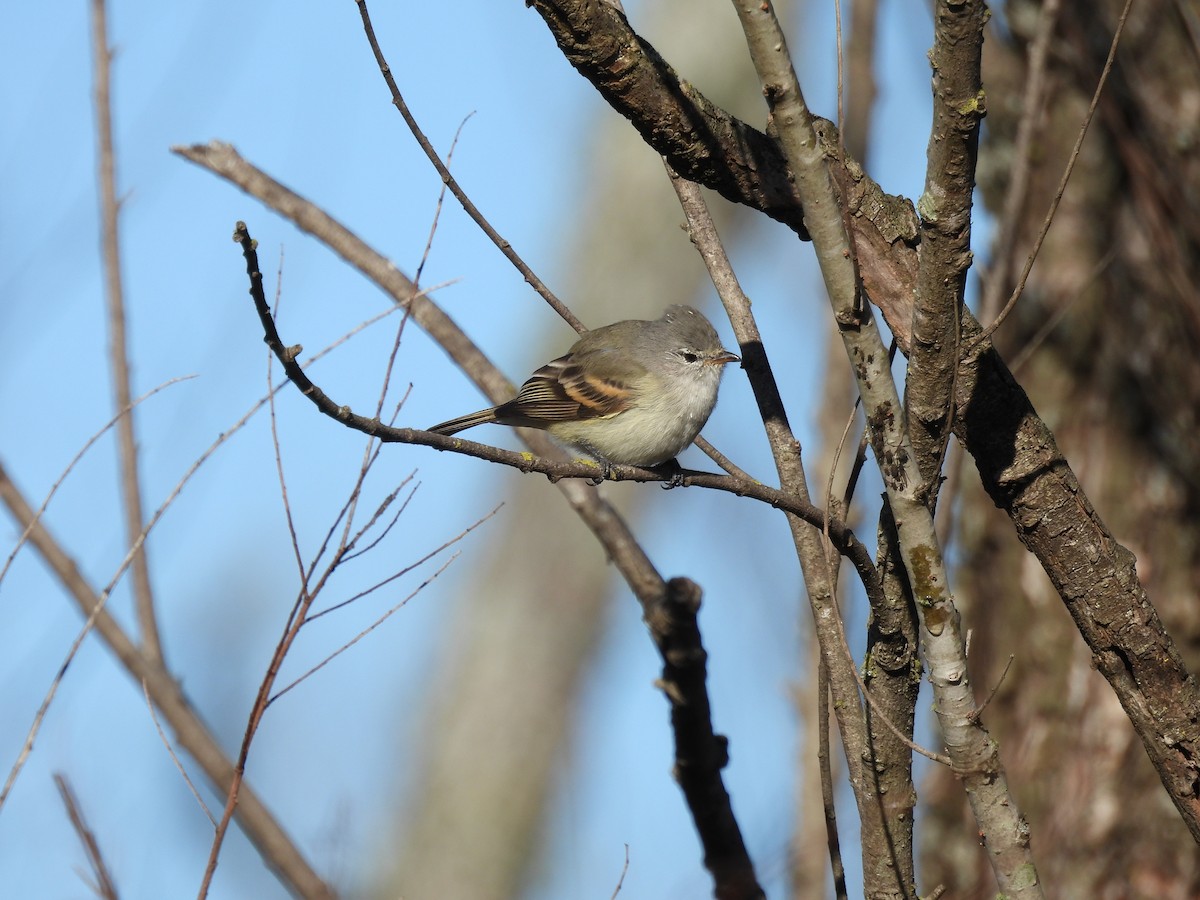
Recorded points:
(672, 472)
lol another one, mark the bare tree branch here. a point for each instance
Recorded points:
(702, 142)
(700, 753)
(131, 490)
(275, 847)
(974, 753)
(105, 886)
(945, 210)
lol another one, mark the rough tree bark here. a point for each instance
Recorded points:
(1107, 334)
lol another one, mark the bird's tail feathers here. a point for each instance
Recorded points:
(463, 422)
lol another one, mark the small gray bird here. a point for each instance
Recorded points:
(631, 393)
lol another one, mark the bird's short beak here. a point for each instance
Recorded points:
(723, 357)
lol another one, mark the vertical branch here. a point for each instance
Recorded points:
(975, 754)
(945, 211)
(860, 78)
(819, 575)
(892, 666)
(118, 356)
(700, 753)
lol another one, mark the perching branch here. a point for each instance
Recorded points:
(604, 522)
(840, 534)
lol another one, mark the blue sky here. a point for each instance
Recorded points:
(294, 88)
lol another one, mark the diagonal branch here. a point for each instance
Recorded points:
(705, 144)
(105, 887)
(273, 843)
(701, 141)
(451, 182)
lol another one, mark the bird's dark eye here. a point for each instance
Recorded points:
(688, 356)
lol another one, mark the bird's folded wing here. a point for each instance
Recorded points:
(562, 391)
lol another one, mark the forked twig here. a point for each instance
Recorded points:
(362, 634)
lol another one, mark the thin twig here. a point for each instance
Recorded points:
(292, 626)
(1022, 356)
(162, 736)
(287, 507)
(437, 209)
(451, 182)
(1033, 109)
(351, 550)
(87, 445)
(104, 886)
(825, 758)
(1062, 184)
(621, 880)
(445, 545)
(362, 634)
(999, 681)
(131, 491)
(841, 75)
(837, 455)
